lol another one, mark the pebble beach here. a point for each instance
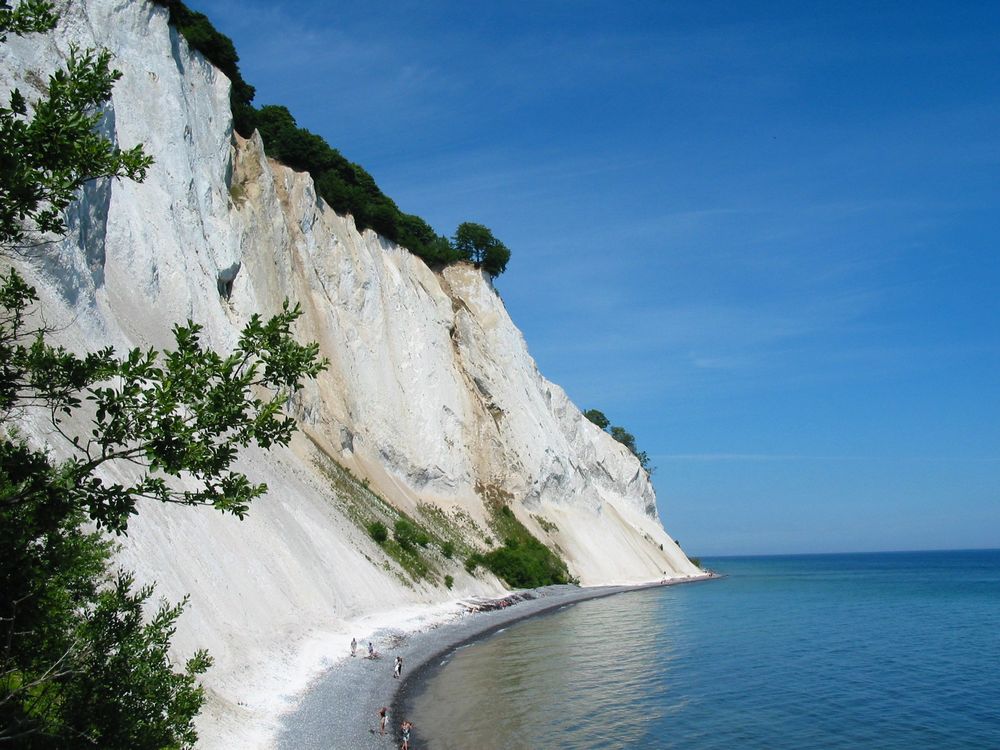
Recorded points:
(340, 709)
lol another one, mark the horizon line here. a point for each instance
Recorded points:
(855, 552)
(804, 457)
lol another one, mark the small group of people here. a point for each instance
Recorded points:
(404, 727)
(372, 653)
(383, 713)
(397, 667)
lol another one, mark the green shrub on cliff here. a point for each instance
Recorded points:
(598, 418)
(622, 435)
(526, 564)
(378, 531)
(409, 535)
(522, 561)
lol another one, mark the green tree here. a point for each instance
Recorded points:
(526, 563)
(597, 417)
(47, 156)
(627, 439)
(29, 16)
(476, 243)
(80, 666)
(622, 435)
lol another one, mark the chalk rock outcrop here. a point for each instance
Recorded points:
(431, 397)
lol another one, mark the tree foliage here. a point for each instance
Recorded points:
(29, 16)
(378, 532)
(598, 418)
(526, 564)
(49, 148)
(523, 560)
(347, 187)
(408, 535)
(476, 243)
(627, 439)
(80, 664)
(183, 414)
(622, 435)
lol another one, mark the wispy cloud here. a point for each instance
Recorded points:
(711, 457)
(777, 457)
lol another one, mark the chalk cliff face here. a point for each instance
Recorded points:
(431, 395)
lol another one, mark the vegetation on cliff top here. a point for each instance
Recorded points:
(344, 185)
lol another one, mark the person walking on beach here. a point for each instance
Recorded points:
(397, 668)
(405, 728)
(354, 646)
(371, 651)
(383, 719)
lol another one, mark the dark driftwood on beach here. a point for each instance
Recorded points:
(478, 604)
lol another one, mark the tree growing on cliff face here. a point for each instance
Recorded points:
(476, 243)
(622, 435)
(627, 439)
(598, 418)
(80, 664)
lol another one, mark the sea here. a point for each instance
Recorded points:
(878, 651)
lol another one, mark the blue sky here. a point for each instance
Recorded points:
(763, 237)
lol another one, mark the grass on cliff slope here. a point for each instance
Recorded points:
(523, 561)
(412, 546)
(455, 529)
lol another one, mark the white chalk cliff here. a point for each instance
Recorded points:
(431, 395)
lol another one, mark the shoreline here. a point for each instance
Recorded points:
(340, 708)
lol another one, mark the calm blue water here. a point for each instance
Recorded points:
(879, 651)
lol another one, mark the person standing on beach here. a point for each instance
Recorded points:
(397, 668)
(371, 651)
(383, 719)
(354, 646)
(405, 728)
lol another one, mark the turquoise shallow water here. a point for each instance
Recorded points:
(882, 651)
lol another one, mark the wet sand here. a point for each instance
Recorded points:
(340, 710)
